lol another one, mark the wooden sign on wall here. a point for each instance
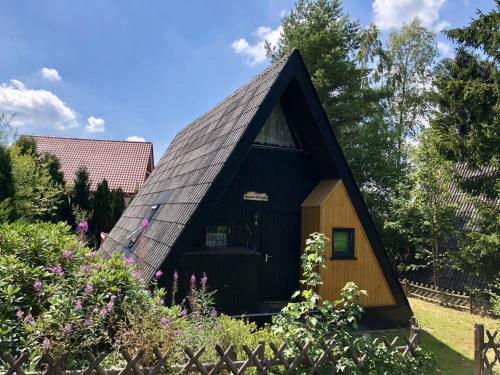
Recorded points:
(253, 196)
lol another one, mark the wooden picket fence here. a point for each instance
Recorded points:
(486, 351)
(446, 297)
(260, 360)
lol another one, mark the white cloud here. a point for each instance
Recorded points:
(95, 125)
(135, 138)
(50, 74)
(256, 53)
(445, 49)
(36, 108)
(393, 13)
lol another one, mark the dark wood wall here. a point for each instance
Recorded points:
(269, 227)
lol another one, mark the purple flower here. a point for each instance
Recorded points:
(29, 319)
(87, 323)
(112, 297)
(184, 313)
(57, 270)
(204, 279)
(37, 284)
(97, 265)
(66, 253)
(193, 281)
(82, 227)
(176, 276)
(110, 305)
(68, 328)
(129, 260)
(104, 311)
(78, 305)
(158, 274)
(145, 224)
(46, 344)
(213, 313)
(164, 321)
(19, 314)
(89, 289)
(86, 268)
(92, 254)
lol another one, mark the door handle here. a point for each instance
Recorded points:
(268, 257)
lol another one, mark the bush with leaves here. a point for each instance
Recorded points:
(56, 295)
(310, 319)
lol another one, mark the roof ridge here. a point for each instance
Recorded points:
(87, 139)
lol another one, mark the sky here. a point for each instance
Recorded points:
(143, 70)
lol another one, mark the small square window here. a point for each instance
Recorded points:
(216, 235)
(343, 243)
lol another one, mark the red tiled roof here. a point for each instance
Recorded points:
(122, 163)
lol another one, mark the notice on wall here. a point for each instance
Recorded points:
(253, 196)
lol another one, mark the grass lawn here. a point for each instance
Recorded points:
(449, 334)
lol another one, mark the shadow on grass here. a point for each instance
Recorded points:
(448, 361)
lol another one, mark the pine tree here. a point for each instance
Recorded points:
(6, 185)
(101, 220)
(80, 195)
(117, 205)
(466, 129)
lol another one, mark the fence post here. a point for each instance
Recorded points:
(261, 355)
(414, 331)
(478, 348)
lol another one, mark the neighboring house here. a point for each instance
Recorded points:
(240, 188)
(123, 164)
(467, 214)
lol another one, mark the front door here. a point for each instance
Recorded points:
(280, 248)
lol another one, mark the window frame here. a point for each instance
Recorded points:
(228, 235)
(345, 255)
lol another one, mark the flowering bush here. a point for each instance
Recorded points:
(56, 295)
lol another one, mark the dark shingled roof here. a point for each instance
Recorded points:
(185, 173)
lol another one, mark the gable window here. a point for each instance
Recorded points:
(144, 224)
(216, 235)
(343, 243)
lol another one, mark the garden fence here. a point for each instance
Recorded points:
(448, 298)
(260, 360)
(486, 351)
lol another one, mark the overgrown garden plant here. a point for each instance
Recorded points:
(311, 319)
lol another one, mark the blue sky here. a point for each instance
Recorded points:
(117, 69)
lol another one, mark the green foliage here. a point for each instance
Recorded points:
(466, 129)
(6, 181)
(313, 320)
(55, 294)
(309, 318)
(117, 205)
(424, 222)
(479, 252)
(37, 196)
(101, 219)
(80, 194)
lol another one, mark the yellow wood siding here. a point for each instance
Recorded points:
(329, 206)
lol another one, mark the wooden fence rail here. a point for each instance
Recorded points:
(486, 349)
(259, 359)
(446, 297)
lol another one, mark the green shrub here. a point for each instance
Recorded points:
(56, 295)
